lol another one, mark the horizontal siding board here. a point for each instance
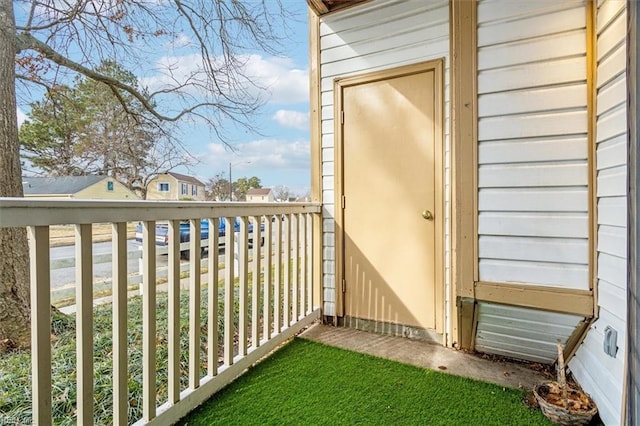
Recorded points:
(529, 27)
(611, 298)
(522, 332)
(375, 12)
(406, 54)
(531, 315)
(525, 329)
(532, 50)
(613, 269)
(612, 211)
(580, 366)
(491, 11)
(612, 124)
(612, 153)
(535, 125)
(391, 25)
(611, 66)
(533, 150)
(558, 225)
(539, 74)
(612, 95)
(612, 37)
(383, 42)
(551, 274)
(612, 182)
(612, 240)
(531, 200)
(607, 13)
(515, 344)
(552, 250)
(532, 175)
(533, 100)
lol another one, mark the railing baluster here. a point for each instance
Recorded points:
(286, 302)
(212, 303)
(266, 294)
(119, 312)
(149, 321)
(229, 260)
(255, 289)
(194, 304)
(277, 278)
(84, 323)
(309, 250)
(243, 279)
(296, 272)
(303, 263)
(173, 314)
(40, 325)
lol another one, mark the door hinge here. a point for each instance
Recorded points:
(344, 285)
(343, 201)
(342, 117)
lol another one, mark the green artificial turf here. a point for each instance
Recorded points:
(307, 383)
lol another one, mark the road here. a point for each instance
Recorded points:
(101, 271)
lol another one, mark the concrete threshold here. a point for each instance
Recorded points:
(427, 355)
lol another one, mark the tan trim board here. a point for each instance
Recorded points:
(316, 154)
(592, 99)
(464, 260)
(568, 301)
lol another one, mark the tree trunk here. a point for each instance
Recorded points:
(14, 251)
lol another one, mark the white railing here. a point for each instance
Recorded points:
(282, 294)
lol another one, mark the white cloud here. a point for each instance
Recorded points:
(275, 78)
(260, 154)
(179, 41)
(295, 119)
(22, 117)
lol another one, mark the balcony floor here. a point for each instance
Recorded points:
(427, 355)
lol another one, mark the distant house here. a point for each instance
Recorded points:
(175, 186)
(260, 195)
(80, 187)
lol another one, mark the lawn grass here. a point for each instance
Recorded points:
(308, 383)
(15, 368)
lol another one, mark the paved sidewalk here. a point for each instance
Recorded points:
(427, 355)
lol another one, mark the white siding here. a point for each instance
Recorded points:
(600, 375)
(532, 143)
(375, 36)
(522, 333)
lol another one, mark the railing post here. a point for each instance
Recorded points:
(120, 347)
(277, 279)
(212, 302)
(243, 278)
(149, 321)
(286, 260)
(295, 225)
(194, 304)
(40, 325)
(173, 305)
(303, 264)
(229, 259)
(255, 289)
(84, 323)
(266, 294)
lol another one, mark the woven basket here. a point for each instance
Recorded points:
(561, 415)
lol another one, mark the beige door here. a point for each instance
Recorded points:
(391, 154)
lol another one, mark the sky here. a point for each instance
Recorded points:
(278, 153)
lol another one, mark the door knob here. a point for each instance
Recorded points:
(426, 214)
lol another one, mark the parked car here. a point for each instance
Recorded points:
(162, 233)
